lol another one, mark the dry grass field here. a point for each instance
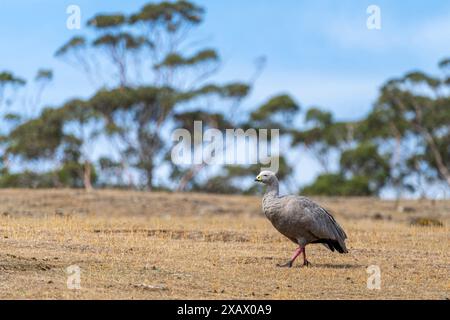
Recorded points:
(138, 245)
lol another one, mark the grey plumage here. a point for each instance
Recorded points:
(300, 219)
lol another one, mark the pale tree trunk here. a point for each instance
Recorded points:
(188, 176)
(149, 174)
(87, 173)
(443, 170)
(441, 167)
(396, 160)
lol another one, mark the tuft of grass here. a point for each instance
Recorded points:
(426, 222)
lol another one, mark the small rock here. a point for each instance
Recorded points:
(405, 209)
(377, 216)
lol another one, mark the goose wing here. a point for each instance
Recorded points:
(323, 226)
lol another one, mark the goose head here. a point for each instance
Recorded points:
(266, 177)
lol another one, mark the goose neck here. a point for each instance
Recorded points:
(272, 189)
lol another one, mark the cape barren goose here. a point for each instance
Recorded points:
(300, 219)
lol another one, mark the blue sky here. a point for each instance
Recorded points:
(321, 52)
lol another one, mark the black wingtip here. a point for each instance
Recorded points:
(341, 249)
(336, 245)
(332, 245)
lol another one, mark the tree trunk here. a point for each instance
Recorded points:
(149, 174)
(443, 170)
(188, 176)
(87, 176)
(440, 165)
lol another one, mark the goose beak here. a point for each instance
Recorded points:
(258, 178)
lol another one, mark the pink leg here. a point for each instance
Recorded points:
(305, 261)
(297, 253)
(294, 256)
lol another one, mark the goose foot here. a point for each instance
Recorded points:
(286, 265)
(306, 263)
(291, 262)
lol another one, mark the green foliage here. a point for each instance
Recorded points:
(338, 185)
(170, 14)
(76, 42)
(44, 75)
(364, 161)
(176, 60)
(209, 120)
(12, 117)
(217, 184)
(106, 21)
(234, 90)
(37, 138)
(282, 105)
(230, 180)
(7, 78)
(128, 41)
(68, 176)
(363, 172)
(444, 63)
(319, 118)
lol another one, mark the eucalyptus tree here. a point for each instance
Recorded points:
(319, 137)
(82, 126)
(19, 105)
(363, 171)
(42, 80)
(158, 74)
(277, 112)
(414, 110)
(238, 179)
(55, 141)
(37, 139)
(9, 86)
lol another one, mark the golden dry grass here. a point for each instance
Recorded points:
(136, 245)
